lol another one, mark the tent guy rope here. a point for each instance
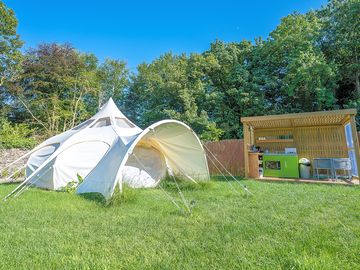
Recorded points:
(227, 180)
(14, 173)
(23, 185)
(167, 194)
(28, 185)
(17, 160)
(226, 170)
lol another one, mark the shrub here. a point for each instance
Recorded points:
(72, 185)
(15, 136)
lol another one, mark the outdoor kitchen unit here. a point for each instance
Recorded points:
(280, 165)
(324, 145)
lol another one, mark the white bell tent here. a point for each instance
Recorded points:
(108, 149)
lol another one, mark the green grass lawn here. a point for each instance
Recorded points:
(283, 226)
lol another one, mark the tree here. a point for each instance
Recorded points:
(341, 40)
(114, 79)
(309, 62)
(54, 85)
(294, 73)
(10, 56)
(231, 93)
(171, 87)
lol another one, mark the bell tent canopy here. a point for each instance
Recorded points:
(109, 149)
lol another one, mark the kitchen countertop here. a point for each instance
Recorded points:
(279, 154)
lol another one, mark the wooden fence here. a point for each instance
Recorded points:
(229, 152)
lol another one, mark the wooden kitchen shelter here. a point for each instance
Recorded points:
(324, 134)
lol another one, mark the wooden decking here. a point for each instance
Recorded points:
(300, 180)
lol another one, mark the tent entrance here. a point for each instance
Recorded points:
(151, 170)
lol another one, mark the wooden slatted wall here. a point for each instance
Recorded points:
(230, 153)
(310, 142)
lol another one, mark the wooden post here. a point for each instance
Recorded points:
(246, 148)
(356, 141)
(252, 139)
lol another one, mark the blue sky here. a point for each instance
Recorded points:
(138, 31)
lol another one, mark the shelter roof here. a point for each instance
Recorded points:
(308, 119)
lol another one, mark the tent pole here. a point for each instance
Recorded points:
(18, 170)
(20, 158)
(16, 189)
(26, 187)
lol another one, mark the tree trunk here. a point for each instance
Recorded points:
(65, 125)
(99, 100)
(32, 115)
(75, 110)
(52, 121)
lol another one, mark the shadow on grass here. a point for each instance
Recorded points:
(95, 197)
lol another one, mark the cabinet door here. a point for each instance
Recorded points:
(290, 167)
(254, 166)
(284, 171)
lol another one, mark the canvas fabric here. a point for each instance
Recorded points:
(108, 149)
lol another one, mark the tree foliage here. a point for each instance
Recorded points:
(309, 62)
(340, 41)
(53, 85)
(171, 87)
(10, 55)
(231, 91)
(114, 77)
